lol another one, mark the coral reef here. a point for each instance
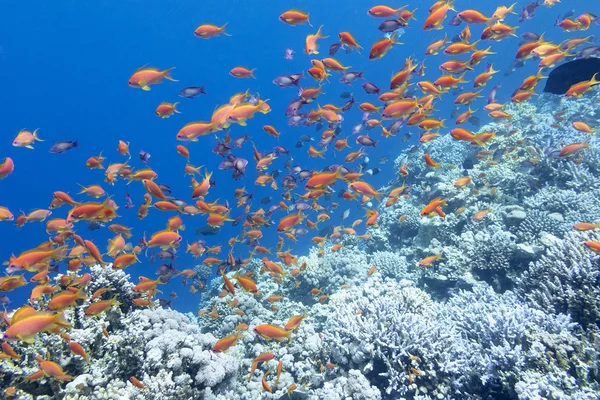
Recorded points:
(495, 297)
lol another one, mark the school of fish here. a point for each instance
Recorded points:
(305, 193)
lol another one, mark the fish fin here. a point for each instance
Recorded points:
(222, 29)
(166, 74)
(146, 88)
(35, 136)
(29, 340)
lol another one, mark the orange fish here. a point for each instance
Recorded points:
(437, 16)
(28, 327)
(349, 40)
(225, 343)
(382, 46)
(192, 130)
(207, 31)
(432, 206)
(269, 331)
(430, 260)
(594, 246)
(242, 72)
(430, 163)
(52, 369)
(578, 89)
(101, 306)
(6, 167)
(479, 215)
(295, 17)
(165, 109)
(585, 226)
(323, 179)
(164, 239)
(311, 42)
(383, 11)
(582, 127)
(144, 77)
(136, 382)
(26, 139)
(473, 17)
(365, 189)
(572, 149)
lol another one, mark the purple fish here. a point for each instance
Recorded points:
(239, 141)
(144, 156)
(391, 25)
(289, 54)
(492, 96)
(252, 99)
(128, 201)
(326, 141)
(278, 150)
(287, 80)
(288, 182)
(300, 231)
(240, 165)
(166, 254)
(293, 107)
(301, 206)
(591, 51)
(297, 77)
(357, 128)
(294, 169)
(528, 11)
(305, 174)
(61, 147)
(221, 149)
(191, 91)
(335, 167)
(4, 300)
(226, 165)
(455, 21)
(395, 127)
(348, 104)
(350, 77)
(370, 88)
(365, 140)
(294, 120)
(530, 36)
(165, 188)
(334, 48)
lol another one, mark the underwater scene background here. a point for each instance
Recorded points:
(300, 199)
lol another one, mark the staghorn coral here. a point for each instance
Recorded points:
(478, 343)
(566, 280)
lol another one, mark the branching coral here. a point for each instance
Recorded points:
(566, 280)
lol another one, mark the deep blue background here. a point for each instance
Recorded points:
(65, 67)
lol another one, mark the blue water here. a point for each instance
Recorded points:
(65, 68)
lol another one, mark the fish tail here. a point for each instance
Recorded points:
(35, 136)
(222, 29)
(60, 319)
(81, 294)
(319, 34)
(175, 108)
(167, 74)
